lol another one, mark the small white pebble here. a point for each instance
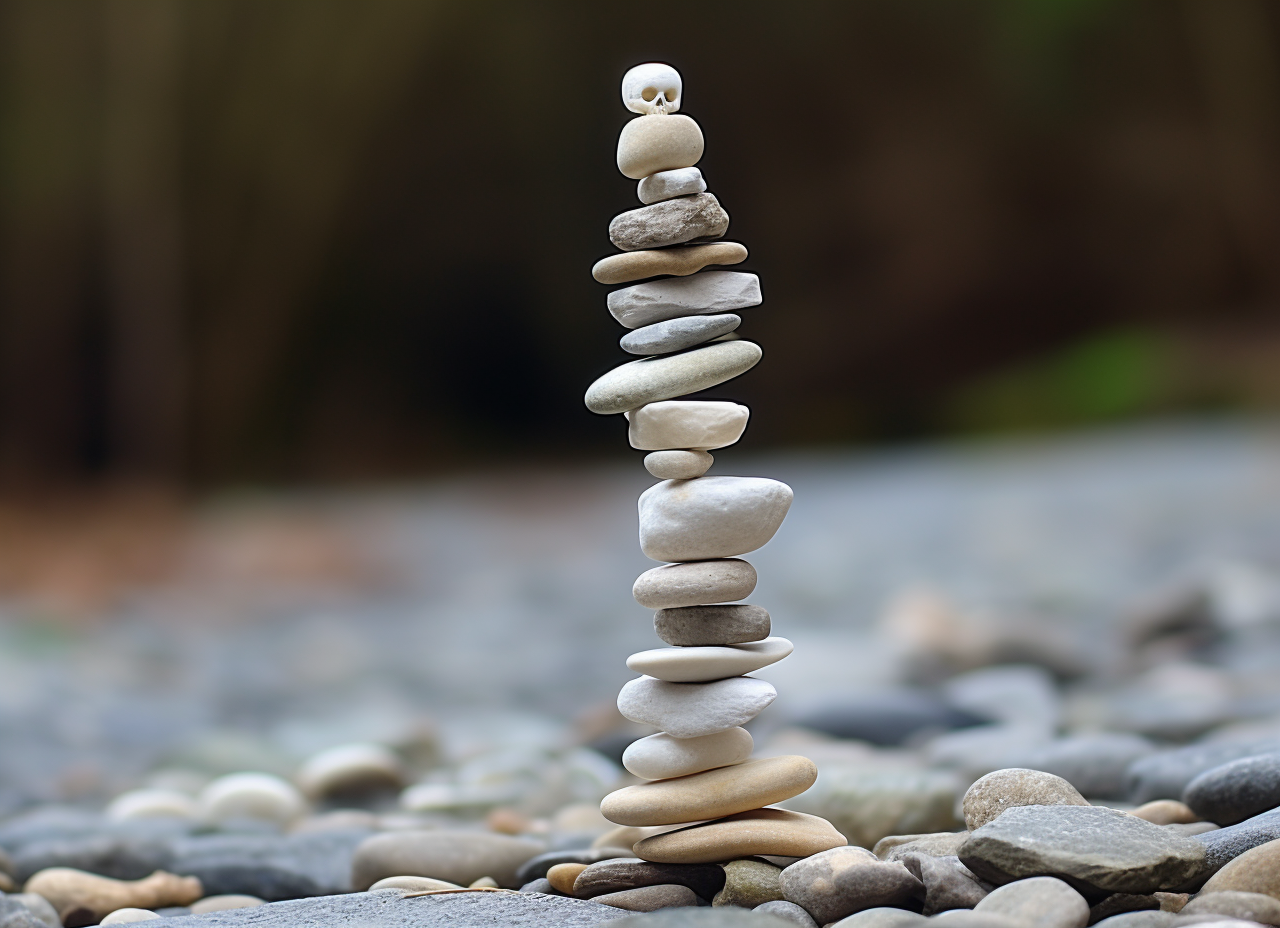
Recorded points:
(126, 916)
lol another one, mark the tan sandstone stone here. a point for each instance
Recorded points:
(679, 261)
(760, 831)
(75, 893)
(1004, 789)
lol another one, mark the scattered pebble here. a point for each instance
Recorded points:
(128, 916)
(1166, 812)
(844, 880)
(650, 898)
(539, 866)
(1257, 870)
(1226, 844)
(224, 902)
(251, 796)
(749, 883)
(948, 884)
(1002, 790)
(351, 770)
(1237, 790)
(938, 844)
(412, 884)
(455, 856)
(152, 803)
(561, 876)
(76, 895)
(1166, 774)
(788, 912)
(1037, 902)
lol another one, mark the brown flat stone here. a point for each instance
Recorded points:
(678, 262)
(760, 831)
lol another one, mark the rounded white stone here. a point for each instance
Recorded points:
(411, 884)
(152, 803)
(251, 795)
(225, 901)
(128, 916)
(689, 710)
(704, 664)
(351, 767)
(711, 517)
(678, 465)
(694, 425)
(667, 184)
(660, 756)
(699, 294)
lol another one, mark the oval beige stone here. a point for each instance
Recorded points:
(1166, 812)
(712, 793)
(695, 583)
(1257, 870)
(760, 831)
(680, 261)
(678, 465)
(658, 142)
(999, 790)
(663, 378)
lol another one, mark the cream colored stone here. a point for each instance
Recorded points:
(225, 902)
(660, 756)
(695, 425)
(76, 895)
(696, 583)
(759, 832)
(413, 884)
(253, 796)
(1166, 812)
(679, 261)
(152, 803)
(678, 465)
(1000, 790)
(689, 710)
(561, 876)
(704, 664)
(485, 882)
(664, 185)
(128, 916)
(351, 768)
(626, 835)
(705, 293)
(712, 793)
(658, 142)
(664, 378)
(711, 517)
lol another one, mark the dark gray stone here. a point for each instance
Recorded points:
(676, 334)
(1255, 907)
(948, 884)
(1226, 844)
(540, 885)
(711, 625)
(1098, 851)
(271, 867)
(1237, 790)
(116, 857)
(722, 917)
(631, 873)
(1095, 764)
(538, 866)
(885, 717)
(1165, 774)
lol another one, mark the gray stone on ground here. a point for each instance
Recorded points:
(27, 910)
(1165, 774)
(271, 867)
(631, 872)
(1255, 907)
(789, 911)
(948, 884)
(460, 857)
(1038, 902)
(1119, 903)
(1226, 844)
(650, 898)
(1257, 870)
(939, 844)
(1014, 787)
(844, 880)
(867, 804)
(1237, 790)
(1150, 919)
(677, 334)
(886, 716)
(540, 885)
(119, 857)
(749, 883)
(883, 917)
(1095, 849)
(722, 917)
(695, 218)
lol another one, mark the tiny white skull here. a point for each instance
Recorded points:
(652, 88)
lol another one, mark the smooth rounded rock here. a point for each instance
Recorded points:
(1005, 789)
(1237, 790)
(677, 334)
(696, 583)
(1166, 812)
(412, 884)
(664, 185)
(350, 769)
(77, 896)
(671, 222)
(934, 844)
(455, 856)
(1165, 774)
(677, 261)
(667, 377)
(561, 876)
(704, 664)
(1254, 907)
(152, 803)
(882, 917)
(712, 626)
(650, 898)
(788, 912)
(697, 425)
(712, 793)
(747, 834)
(1037, 902)
(251, 796)
(711, 517)
(749, 883)
(1255, 871)
(662, 756)
(690, 710)
(678, 465)
(659, 142)
(612, 876)
(674, 297)
(224, 902)
(838, 882)
(1225, 844)
(128, 916)
(948, 884)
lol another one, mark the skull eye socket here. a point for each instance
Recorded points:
(648, 94)
(670, 96)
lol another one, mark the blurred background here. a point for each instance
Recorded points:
(296, 318)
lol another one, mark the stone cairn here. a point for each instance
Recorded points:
(682, 323)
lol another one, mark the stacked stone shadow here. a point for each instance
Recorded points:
(682, 324)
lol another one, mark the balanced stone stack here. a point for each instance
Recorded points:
(682, 320)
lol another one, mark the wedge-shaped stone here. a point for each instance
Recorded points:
(679, 261)
(702, 665)
(693, 520)
(667, 377)
(695, 425)
(701, 294)
(712, 793)
(760, 831)
(678, 334)
(664, 185)
(660, 756)
(689, 710)
(671, 222)
(696, 583)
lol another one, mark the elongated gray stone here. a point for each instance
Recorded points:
(689, 710)
(665, 378)
(677, 334)
(674, 297)
(671, 222)
(710, 517)
(1237, 790)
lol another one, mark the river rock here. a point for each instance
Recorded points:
(1166, 812)
(937, 844)
(78, 896)
(711, 626)
(661, 756)
(224, 903)
(696, 583)
(761, 832)
(1257, 870)
(697, 425)
(456, 856)
(1165, 774)
(1251, 906)
(270, 866)
(788, 912)
(679, 261)
(1099, 849)
(693, 520)
(650, 898)
(1037, 902)
(1120, 903)
(671, 222)
(838, 882)
(561, 876)
(412, 884)
(1141, 919)
(997, 792)
(866, 803)
(613, 876)
(1237, 790)
(351, 770)
(251, 796)
(658, 142)
(539, 866)
(688, 710)
(1096, 764)
(673, 297)
(749, 883)
(128, 916)
(704, 664)
(122, 857)
(882, 917)
(948, 884)
(666, 377)
(1228, 843)
(678, 465)
(151, 803)
(887, 716)
(678, 334)
(667, 184)
(712, 793)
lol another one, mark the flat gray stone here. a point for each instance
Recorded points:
(698, 218)
(676, 297)
(1095, 849)
(1226, 844)
(1237, 790)
(669, 376)
(271, 867)
(1038, 902)
(703, 626)
(650, 898)
(631, 873)
(883, 917)
(678, 334)
(1165, 774)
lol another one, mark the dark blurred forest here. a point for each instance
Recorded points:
(315, 240)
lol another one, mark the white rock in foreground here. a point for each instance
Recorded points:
(695, 295)
(704, 664)
(694, 425)
(660, 756)
(710, 517)
(251, 795)
(690, 710)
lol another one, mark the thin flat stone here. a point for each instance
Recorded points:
(664, 185)
(694, 425)
(678, 261)
(696, 583)
(659, 756)
(711, 626)
(704, 664)
(669, 376)
(678, 465)
(759, 832)
(678, 334)
(711, 517)
(699, 294)
(712, 793)
(650, 898)
(625, 873)
(689, 710)
(671, 222)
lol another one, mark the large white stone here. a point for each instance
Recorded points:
(251, 795)
(667, 184)
(701, 665)
(660, 756)
(690, 710)
(695, 425)
(698, 294)
(710, 517)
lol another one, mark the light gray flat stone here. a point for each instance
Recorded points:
(689, 710)
(678, 334)
(659, 756)
(672, 222)
(673, 297)
(669, 376)
(664, 185)
(702, 665)
(711, 517)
